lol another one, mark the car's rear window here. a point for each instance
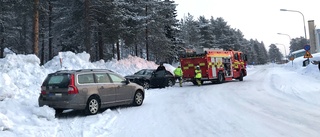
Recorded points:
(60, 80)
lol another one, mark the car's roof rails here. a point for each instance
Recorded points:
(64, 71)
(88, 70)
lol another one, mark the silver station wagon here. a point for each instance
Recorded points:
(88, 90)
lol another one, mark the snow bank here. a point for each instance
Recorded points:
(21, 77)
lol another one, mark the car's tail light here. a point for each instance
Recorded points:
(43, 92)
(72, 89)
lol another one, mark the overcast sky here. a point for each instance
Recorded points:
(260, 20)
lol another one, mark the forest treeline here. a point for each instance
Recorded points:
(114, 29)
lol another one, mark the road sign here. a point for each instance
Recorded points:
(306, 47)
(291, 58)
(307, 55)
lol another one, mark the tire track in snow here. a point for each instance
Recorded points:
(91, 125)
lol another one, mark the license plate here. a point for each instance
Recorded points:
(59, 94)
(50, 94)
(55, 94)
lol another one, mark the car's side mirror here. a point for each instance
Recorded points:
(126, 81)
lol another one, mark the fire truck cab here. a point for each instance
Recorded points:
(216, 66)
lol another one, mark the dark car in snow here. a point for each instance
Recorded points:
(150, 78)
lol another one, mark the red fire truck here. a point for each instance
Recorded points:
(216, 66)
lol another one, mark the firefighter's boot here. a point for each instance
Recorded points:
(199, 82)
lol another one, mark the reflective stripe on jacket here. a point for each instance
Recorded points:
(198, 74)
(178, 72)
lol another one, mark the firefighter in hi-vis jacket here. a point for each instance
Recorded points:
(178, 74)
(198, 75)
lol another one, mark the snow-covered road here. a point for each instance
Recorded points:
(271, 102)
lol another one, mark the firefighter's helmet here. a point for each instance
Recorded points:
(197, 67)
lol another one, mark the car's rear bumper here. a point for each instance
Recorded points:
(69, 104)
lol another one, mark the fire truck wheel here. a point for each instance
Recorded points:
(241, 76)
(220, 77)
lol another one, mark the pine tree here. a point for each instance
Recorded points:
(206, 37)
(274, 54)
(297, 43)
(189, 33)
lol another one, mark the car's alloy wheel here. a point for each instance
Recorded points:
(170, 83)
(138, 98)
(146, 85)
(92, 106)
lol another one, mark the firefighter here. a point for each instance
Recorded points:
(178, 74)
(198, 75)
(160, 79)
(161, 67)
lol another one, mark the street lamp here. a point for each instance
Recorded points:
(285, 51)
(286, 35)
(305, 34)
